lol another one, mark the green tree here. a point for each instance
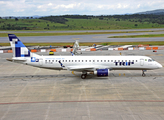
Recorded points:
(16, 19)
(136, 25)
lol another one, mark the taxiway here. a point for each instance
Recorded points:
(33, 93)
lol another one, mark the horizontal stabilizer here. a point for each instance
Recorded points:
(15, 60)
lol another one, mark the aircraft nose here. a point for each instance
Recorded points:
(159, 65)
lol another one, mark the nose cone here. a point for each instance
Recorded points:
(159, 65)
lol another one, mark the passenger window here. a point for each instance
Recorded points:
(75, 60)
(56, 60)
(108, 61)
(101, 60)
(79, 60)
(82, 60)
(65, 60)
(89, 60)
(85, 60)
(72, 60)
(111, 60)
(93, 60)
(97, 60)
(136, 60)
(104, 60)
(69, 60)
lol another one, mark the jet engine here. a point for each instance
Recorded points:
(101, 72)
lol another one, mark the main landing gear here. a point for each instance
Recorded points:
(84, 75)
(143, 73)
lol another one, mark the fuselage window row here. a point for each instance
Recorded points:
(116, 62)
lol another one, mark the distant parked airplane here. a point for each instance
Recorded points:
(98, 65)
(76, 47)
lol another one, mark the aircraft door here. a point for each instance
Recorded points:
(142, 62)
(40, 61)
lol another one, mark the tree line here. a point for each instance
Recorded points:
(151, 18)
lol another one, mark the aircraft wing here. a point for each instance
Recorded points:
(87, 68)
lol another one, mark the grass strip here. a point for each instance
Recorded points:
(91, 43)
(60, 34)
(138, 36)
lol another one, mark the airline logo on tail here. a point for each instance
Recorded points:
(19, 49)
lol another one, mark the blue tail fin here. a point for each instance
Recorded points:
(18, 48)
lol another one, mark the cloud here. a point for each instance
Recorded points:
(68, 6)
(51, 7)
(50, 4)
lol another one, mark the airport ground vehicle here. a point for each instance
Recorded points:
(51, 53)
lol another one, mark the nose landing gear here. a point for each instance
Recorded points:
(143, 73)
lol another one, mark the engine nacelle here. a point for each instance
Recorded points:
(101, 72)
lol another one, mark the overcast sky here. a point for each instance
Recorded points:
(82, 7)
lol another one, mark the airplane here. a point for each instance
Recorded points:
(76, 47)
(97, 65)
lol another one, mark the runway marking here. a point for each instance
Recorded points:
(83, 89)
(76, 109)
(14, 100)
(15, 69)
(3, 117)
(36, 71)
(118, 94)
(49, 106)
(148, 89)
(3, 64)
(21, 91)
(75, 38)
(83, 101)
(131, 113)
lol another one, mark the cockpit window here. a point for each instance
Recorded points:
(150, 60)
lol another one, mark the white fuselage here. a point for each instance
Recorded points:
(99, 65)
(97, 62)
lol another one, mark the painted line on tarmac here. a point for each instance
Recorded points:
(83, 101)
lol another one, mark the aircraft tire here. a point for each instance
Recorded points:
(83, 76)
(143, 75)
